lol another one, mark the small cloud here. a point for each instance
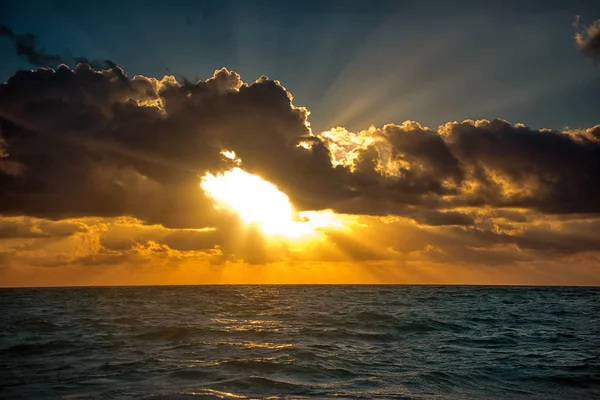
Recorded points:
(28, 48)
(588, 40)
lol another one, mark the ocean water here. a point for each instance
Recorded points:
(396, 342)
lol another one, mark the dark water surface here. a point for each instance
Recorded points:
(400, 342)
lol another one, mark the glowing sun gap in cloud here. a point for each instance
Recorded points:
(260, 203)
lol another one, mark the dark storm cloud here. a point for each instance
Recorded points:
(100, 143)
(588, 41)
(81, 142)
(513, 165)
(474, 163)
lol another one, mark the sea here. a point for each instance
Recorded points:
(297, 342)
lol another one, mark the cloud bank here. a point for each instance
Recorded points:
(85, 142)
(100, 168)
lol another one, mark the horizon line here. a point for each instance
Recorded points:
(304, 284)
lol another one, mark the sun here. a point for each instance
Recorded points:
(260, 203)
(254, 199)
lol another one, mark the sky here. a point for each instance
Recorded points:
(299, 142)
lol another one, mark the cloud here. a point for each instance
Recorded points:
(472, 163)
(24, 227)
(513, 165)
(588, 41)
(99, 241)
(98, 168)
(435, 218)
(82, 142)
(27, 47)
(378, 249)
(111, 142)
